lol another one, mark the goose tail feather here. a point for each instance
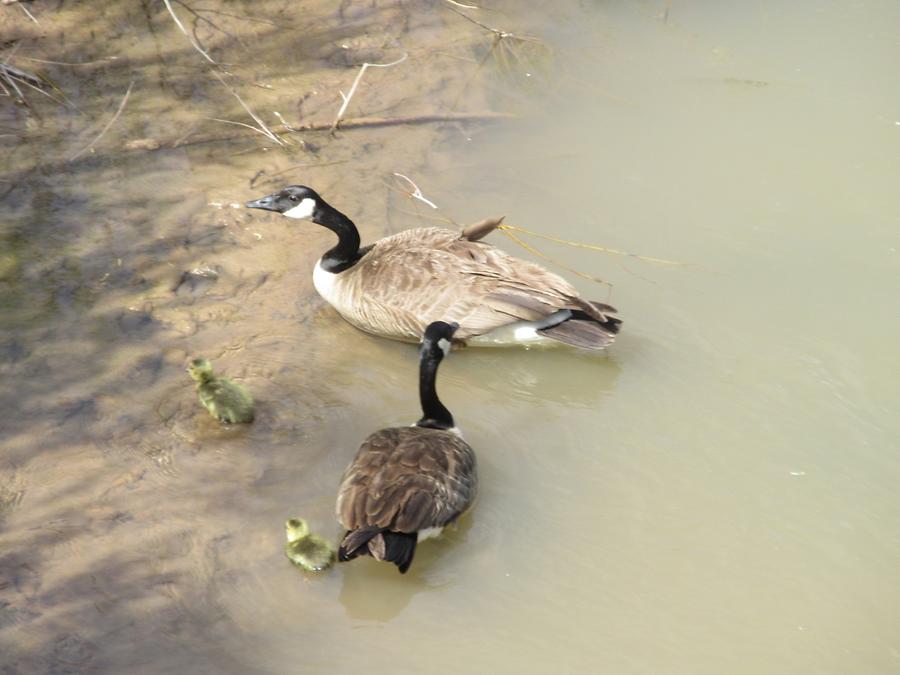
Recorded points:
(591, 328)
(395, 547)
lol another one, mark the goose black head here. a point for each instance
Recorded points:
(438, 338)
(294, 201)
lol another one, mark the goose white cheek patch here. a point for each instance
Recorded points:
(444, 344)
(303, 210)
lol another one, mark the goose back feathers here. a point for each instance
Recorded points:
(405, 484)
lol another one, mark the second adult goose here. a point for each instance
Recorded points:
(407, 483)
(398, 285)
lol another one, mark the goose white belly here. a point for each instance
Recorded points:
(324, 282)
(329, 286)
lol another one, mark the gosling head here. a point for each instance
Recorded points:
(296, 529)
(200, 369)
(294, 201)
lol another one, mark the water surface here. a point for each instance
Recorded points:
(716, 494)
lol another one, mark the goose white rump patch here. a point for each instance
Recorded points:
(429, 533)
(521, 333)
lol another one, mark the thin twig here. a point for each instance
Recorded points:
(108, 124)
(416, 193)
(506, 230)
(263, 129)
(359, 75)
(245, 125)
(496, 31)
(349, 123)
(12, 83)
(29, 14)
(459, 4)
(65, 63)
(186, 34)
(592, 247)
(38, 88)
(242, 17)
(307, 165)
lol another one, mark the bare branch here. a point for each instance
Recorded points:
(189, 137)
(262, 128)
(499, 34)
(416, 193)
(108, 124)
(593, 247)
(66, 63)
(186, 34)
(359, 75)
(29, 14)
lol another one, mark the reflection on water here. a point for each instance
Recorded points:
(713, 495)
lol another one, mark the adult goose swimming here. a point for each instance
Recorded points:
(401, 283)
(407, 483)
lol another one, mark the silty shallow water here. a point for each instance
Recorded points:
(715, 495)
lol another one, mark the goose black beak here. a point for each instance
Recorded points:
(266, 203)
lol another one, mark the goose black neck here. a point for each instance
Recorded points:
(346, 253)
(434, 414)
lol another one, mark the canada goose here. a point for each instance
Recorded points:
(307, 551)
(401, 283)
(225, 400)
(407, 483)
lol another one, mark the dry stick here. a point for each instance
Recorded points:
(251, 19)
(108, 124)
(359, 75)
(198, 17)
(29, 14)
(506, 230)
(593, 247)
(40, 90)
(355, 123)
(496, 31)
(459, 4)
(263, 129)
(65, 63)
(416, 193)
(186, 34)
(307, 165)
(12, 82)
(12, 75)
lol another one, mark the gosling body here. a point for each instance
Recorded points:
(227, 401)
(307, 551)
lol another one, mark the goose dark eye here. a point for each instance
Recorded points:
(294, 198)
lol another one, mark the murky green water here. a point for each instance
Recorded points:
(715, 495)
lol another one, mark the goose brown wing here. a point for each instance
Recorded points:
(407, 479)
(426, 274)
